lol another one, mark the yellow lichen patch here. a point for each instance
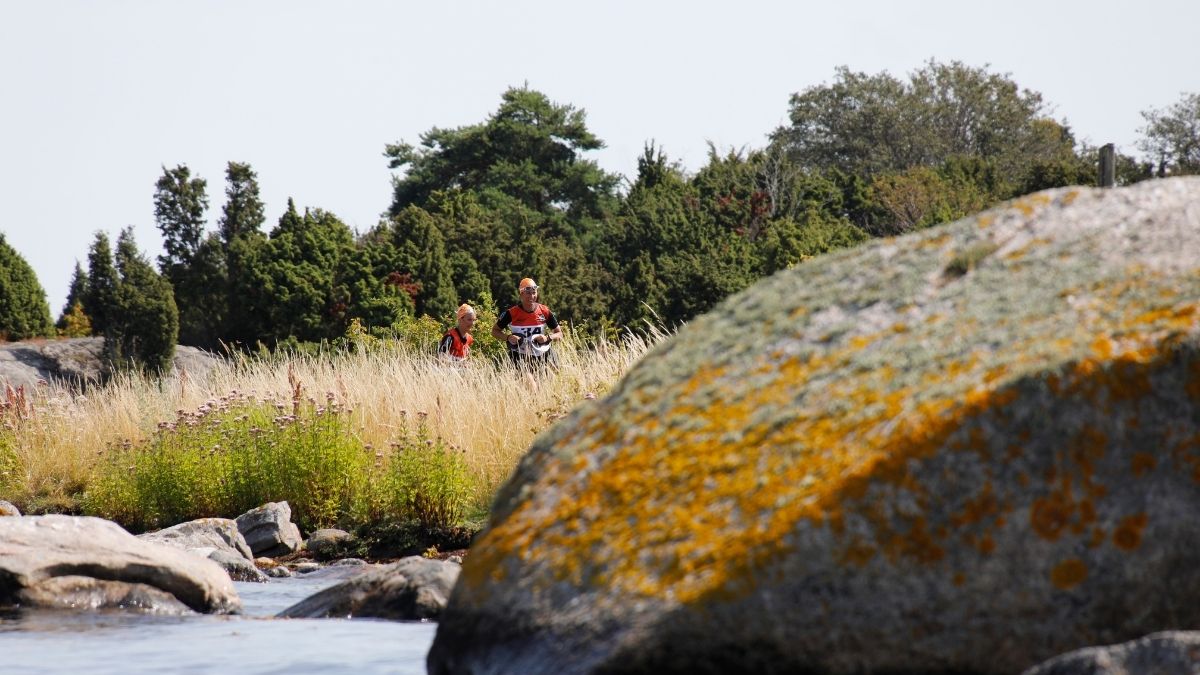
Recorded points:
(1017, 254)
(1068, 573)
(936, 240)
(1029, 204)
(1128, 534)
(1143, 462)
(1069, 197)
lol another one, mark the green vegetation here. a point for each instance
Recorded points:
(237, 452)
(23, 309)
(473, 209)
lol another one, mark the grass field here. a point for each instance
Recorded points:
(352, 435)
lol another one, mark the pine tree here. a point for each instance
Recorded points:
(76, 293)
(23, 310)
(102, 283)
(144, 322)
(193, 264)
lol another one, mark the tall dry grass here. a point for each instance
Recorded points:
(53, 439)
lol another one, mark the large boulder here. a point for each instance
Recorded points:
(412, 588)
(36, 550)
(217, 539)
(269, 530)
(969, 449)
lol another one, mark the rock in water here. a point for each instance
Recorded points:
(269, 530)
(413, 588)
(968, 449)
(35, 550)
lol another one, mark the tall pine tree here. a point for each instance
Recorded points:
(143, 320)
(23, 310)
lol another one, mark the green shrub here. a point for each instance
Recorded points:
(238, 452)
(9, 465)
(428, 479)
(232, 455)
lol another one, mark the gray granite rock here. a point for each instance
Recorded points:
(8, 509)
(217, 539)
(968, 449)
(269, 530)
(412, 588)
(36, 549)
(328, 543)
(79, 362)
(88, 593)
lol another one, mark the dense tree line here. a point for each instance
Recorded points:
(478, 207)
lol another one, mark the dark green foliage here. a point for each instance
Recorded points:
(23, 310)
(143, 323)
(101, 293)
(77, 292)
(179, 205)
(242, 215)
(528, 149)
(789, 242)
(193, 264)
(393, 538)
(478, 207)
(292, 282)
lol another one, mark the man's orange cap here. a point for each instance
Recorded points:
(527, 283)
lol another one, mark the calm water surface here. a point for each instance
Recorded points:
(34, 642)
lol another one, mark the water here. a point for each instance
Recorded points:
(34, 642)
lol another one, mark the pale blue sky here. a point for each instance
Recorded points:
(98, 96)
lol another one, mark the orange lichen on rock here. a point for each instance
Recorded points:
(1068, 574)
(1128, 534)
(1050, 515)
(1143, 463)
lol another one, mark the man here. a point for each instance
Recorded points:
(532, 327)
(456, 343)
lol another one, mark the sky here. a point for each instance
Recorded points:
(97, 98)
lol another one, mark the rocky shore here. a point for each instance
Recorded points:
(78, 563)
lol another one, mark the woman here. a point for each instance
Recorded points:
(456, 343)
